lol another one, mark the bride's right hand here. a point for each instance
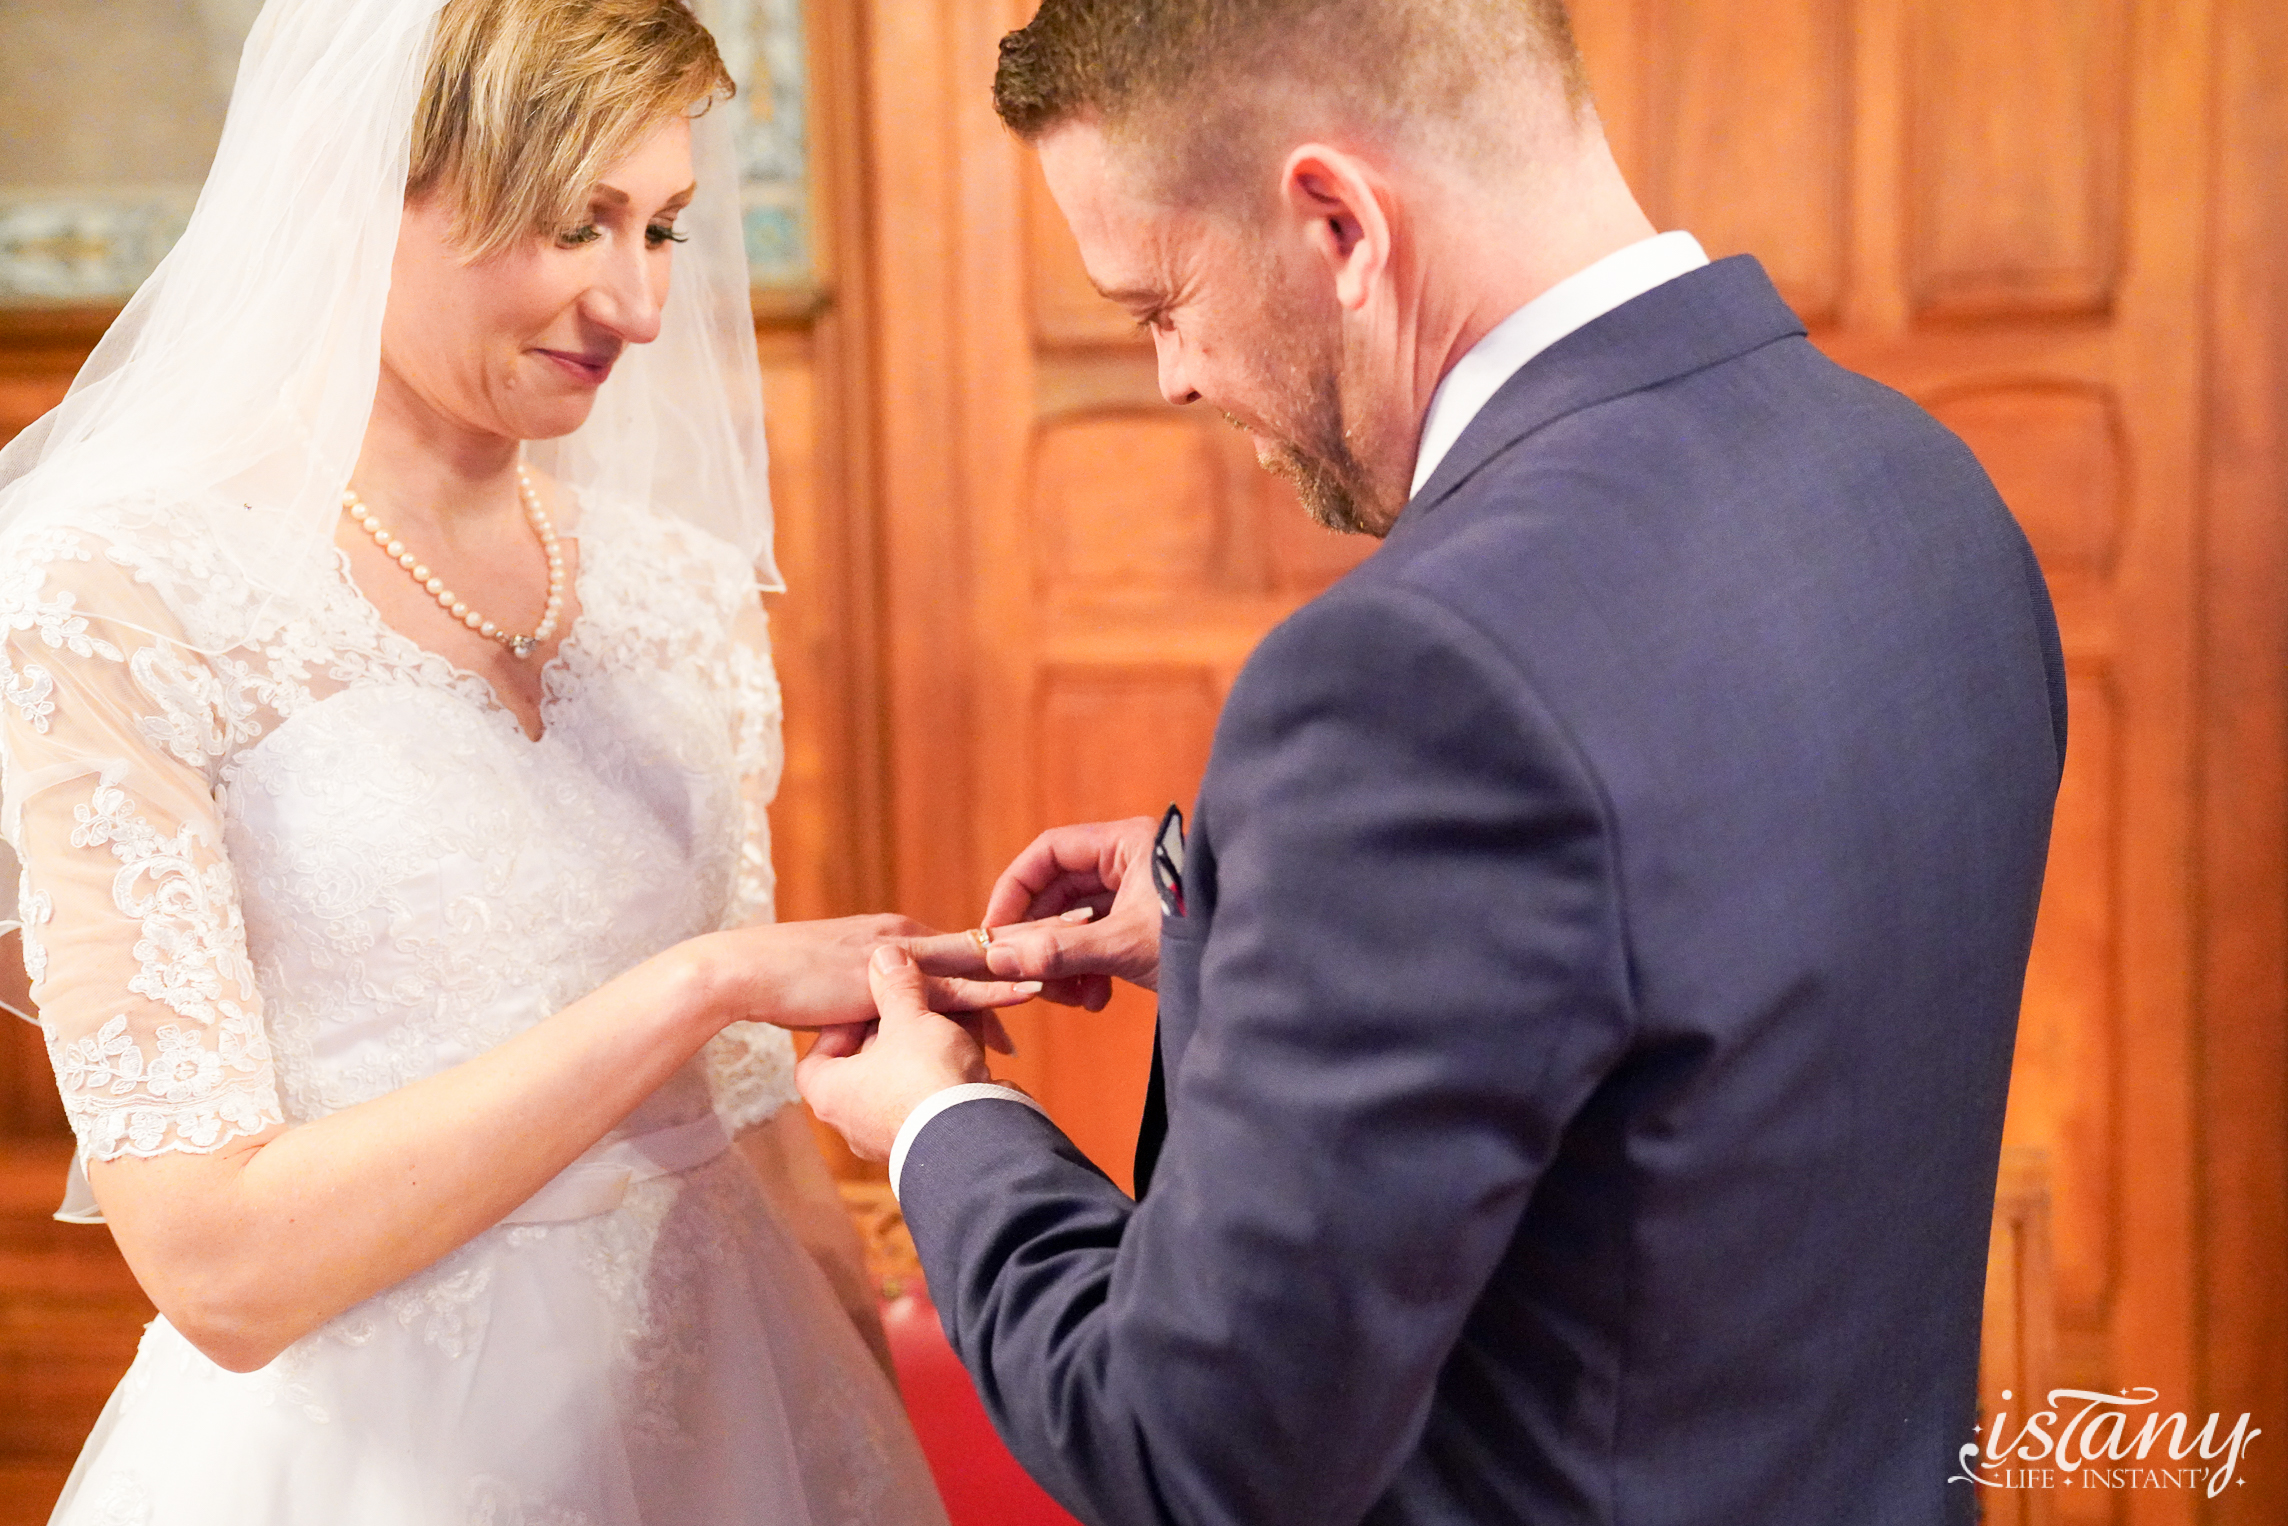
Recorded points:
(813, 974)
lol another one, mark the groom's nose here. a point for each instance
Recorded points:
(1175, 380)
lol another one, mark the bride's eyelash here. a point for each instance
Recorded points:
(588, 233)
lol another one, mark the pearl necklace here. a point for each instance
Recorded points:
(457, 607)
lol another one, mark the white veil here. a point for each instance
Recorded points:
(237, 384)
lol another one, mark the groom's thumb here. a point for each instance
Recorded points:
(897, 984)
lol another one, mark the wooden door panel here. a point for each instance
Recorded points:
(1127, 507)
(2066, 1081)
(2055, 451)
(1748, 114)
(2016, 119)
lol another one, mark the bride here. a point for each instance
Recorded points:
(390, 800)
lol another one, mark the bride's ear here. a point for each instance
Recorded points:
(1339, 208)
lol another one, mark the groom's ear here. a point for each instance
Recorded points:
(1340, 206)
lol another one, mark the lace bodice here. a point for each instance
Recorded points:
(265, 883)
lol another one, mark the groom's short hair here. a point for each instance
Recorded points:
(1194, 81)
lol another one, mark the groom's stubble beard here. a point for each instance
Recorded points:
(1310, 436)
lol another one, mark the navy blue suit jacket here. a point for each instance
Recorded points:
(1587, 1043)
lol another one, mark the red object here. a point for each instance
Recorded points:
(981, 1482)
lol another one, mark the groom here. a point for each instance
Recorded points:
(1589, 986)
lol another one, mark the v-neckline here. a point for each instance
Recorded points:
(488, 696)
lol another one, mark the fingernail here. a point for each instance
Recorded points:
(890, 957)
(1078, 914)
(1029, 988)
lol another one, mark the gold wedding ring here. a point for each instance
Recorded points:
(983, 938)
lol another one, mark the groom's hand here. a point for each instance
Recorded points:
(1088, 913)
(865, 1078)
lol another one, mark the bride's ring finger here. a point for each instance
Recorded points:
(953, 993)
(983, 938)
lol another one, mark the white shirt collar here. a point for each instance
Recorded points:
(1575, 302)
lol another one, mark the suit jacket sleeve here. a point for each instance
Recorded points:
(1410, 974)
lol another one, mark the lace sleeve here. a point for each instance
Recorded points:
(751, 1065)
(133, 939)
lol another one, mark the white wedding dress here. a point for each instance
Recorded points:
(276, 880)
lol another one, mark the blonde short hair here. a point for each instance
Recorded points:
(528, 102)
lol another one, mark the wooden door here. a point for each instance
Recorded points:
(2001, 207)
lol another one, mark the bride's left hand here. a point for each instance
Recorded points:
(813, 974)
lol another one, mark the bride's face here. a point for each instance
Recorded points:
(516, 345)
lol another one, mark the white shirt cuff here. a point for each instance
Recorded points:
(938, 1102)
